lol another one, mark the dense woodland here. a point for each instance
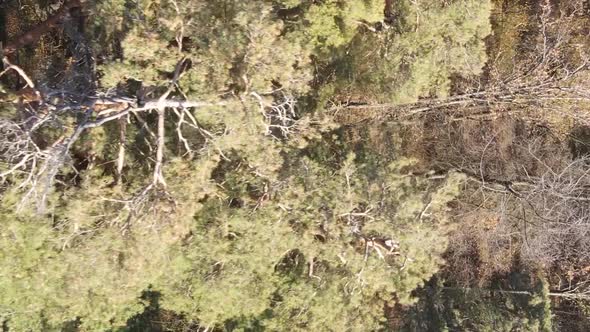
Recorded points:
(295, 165)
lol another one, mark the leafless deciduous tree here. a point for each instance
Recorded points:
(543, 219)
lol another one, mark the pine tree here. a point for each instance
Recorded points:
(430, 42)
(303, 253)
(243, 228)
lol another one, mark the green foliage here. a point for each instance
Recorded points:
(251, 231)
(297, 259)
(434, 40)
(145, 58)
(331, 24)
(51, 276)
(456, 309)
(85, 261)
(236, 46)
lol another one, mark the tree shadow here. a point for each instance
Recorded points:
(156, 319)
(580, 142)
(148, 320)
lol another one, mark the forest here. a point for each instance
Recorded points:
(294, 165)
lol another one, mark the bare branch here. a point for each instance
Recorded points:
(122, 142)
(158, 177)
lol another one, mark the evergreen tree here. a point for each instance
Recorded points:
(443, 308)
(430, 42)
(311, 251)
(243, 227)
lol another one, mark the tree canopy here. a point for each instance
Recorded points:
(269, 165)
